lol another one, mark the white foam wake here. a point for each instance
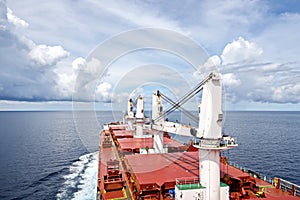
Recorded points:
(81, 182)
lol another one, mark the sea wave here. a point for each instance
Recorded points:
(81, 181)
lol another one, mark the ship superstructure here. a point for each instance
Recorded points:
(142, 161)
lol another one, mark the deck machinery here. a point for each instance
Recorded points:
(139, 161)
(211, 142)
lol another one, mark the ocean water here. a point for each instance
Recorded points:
(269, 142)
(43, 157)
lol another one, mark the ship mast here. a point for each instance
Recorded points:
(139, 117)
(157, 111)
(130, 114)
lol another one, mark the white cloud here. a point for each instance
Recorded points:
(241, 50)
(272, 67)
(65, 84)
(104, 92)
(92, 67)
(16, 20)
(27, 105)
(78, 64)
(264, 80)
(258, 80)
(3, 15)
(139, 14)
(230, 80)
(66, 77)
(284, 93)
(47, 55)
(262, 68)
(22, 78)
(212, 62)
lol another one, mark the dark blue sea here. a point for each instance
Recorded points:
(44, 155)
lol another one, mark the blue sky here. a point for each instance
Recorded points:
(44, 45)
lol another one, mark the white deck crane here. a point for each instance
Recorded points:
(209, 131)
(157, 111)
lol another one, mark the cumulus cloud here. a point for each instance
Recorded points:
(284, 93)
(241, 50)
(87, 74)
(104, 92)
(81, 79)
(15, 20)
(47, 55)
(212, 62)
(93, 67)
(66, 77)
(230, 80)
(65, 84)
(22, 77)
(255, 48)
(78, 64)
(247, 75)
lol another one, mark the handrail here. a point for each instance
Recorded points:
(276, 182)
(287, 186)
(187, 180)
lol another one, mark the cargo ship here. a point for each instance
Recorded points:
(139, 160)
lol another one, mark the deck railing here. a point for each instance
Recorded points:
(287, 186)
(189, 180)
(277, 182)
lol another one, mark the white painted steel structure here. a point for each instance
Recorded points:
(209, 131)
(139, 117)
(130, 114)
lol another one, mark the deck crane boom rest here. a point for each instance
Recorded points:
(212, 142)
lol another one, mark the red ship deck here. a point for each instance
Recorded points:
(163, 168)
(160, 172)
(134, 144)
(121, 132)
(105, 155)
(153, 175)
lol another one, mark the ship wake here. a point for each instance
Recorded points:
(81, 180)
